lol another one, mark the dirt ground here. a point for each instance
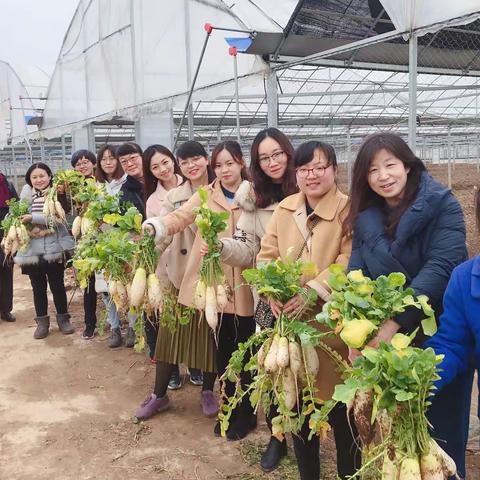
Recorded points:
(66, 405)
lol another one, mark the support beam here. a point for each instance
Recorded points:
(412, 92)
(272, 99)
(188, 65)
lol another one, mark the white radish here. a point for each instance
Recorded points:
(86, 225)
(137, 290)
(271, 358)
(77, 226)
(262, 353)
(431, 467)
(282, 353)
(362, 412)
(295, 357)
(449, 466)
(59, 211)
(389, 469)
(12, 233)
(312, 362)
(154, 290)
(199, 297)
(211, 314)
(410, 469)
(289, 389)
(222, 299)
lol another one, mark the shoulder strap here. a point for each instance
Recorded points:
(314, 223)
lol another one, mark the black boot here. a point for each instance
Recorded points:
(115, 339)
(63, 321)
(244, 422)
(43, 324)
(275, 451)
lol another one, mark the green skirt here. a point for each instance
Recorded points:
(192, 344)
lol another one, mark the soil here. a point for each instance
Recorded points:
(66, 404)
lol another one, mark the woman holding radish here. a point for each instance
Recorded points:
(235, 321)
(110, 173)
(307, 226)
(163, 174)
(45, 257)
(273, 178)
(186, 343)
(84, 161)
(404, 221)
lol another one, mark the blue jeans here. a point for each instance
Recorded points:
(112, 314)
(449, 415)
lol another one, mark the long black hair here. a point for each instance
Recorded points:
(262, 183)
(361, 194)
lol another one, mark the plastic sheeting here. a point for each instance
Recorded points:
(15, 111)
(128, 57)
(411, 14)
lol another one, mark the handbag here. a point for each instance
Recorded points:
(263, 315)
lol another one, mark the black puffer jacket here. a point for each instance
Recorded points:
(132, 191)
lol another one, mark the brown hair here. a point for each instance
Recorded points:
(150, 179)
(262, 183)
(99, 173)
(234, 149)
(363, 197)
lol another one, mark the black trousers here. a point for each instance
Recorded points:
(151, 334)
(234, 329)
(90, 303)
(53, 274)
(6, 287)
(307, 451)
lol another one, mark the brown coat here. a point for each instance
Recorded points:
(182, 218)
(289, 228)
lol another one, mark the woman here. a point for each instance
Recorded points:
(84, 161)
(110, 173)
(310, 221)
(237, 320)
(163, 174)
(45, 257)
(458, 336)
(404, 221)
(7, 192)
(273, 178)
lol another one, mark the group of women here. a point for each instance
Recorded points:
(397, 219)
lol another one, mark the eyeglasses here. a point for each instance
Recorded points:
(316, 171)
(274, 157)
(190, 161)
(83, 163)
(130, 160)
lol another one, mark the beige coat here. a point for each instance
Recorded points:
(243, 247)
(288, 228)
(182, 218)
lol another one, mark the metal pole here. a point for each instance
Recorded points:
(14, 164)
(272, 99)
(412, 91)
(188, 60)
(233, 52)
(209, 31)
(449, 149)
(349, 159)
(478, 153)
(42, 149)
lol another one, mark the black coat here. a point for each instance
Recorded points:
(429, 243)
(133, 191)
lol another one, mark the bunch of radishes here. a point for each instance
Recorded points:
(16, 236)
(52, 208)
(212, 292)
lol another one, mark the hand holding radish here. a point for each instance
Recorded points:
(26, 218)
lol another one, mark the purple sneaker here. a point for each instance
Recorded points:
(209, 404)
(151, 406)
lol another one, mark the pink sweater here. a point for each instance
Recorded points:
(156, 199)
